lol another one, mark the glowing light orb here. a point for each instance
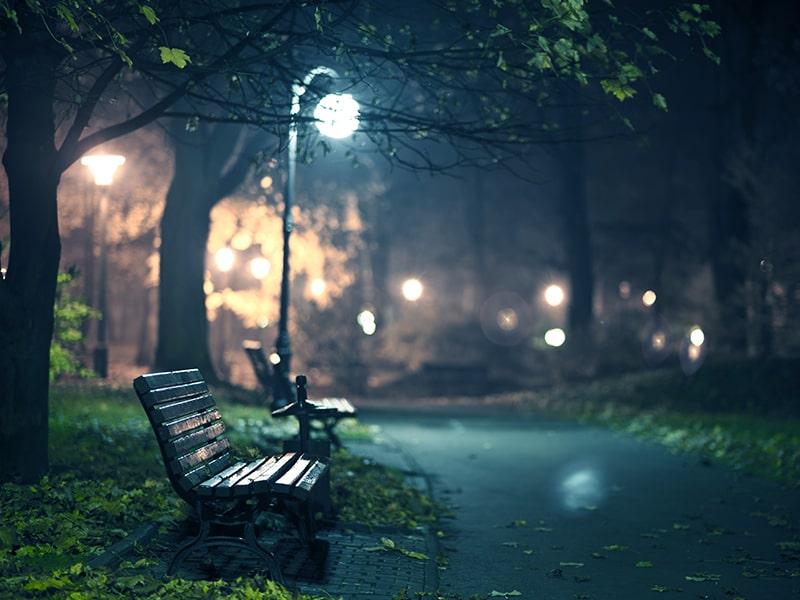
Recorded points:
(624, 290)
(274, 358)
(259, 267)
(697, 337)
(555, 337)
(694, 352)
(649, 298)
(365, 316)
(225, 258)
(103, 166)
(337, 115)
(412, 289)
(266, 182)
(263, 322)
(318, 287)
(554, 295)
(658, 340)
(507, 319)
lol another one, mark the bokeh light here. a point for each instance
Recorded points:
(507, 319)
(649, 298)
(266, 182)
(366, 320)
(412, 289)
(225, 258)
(697, 337)
(555, 337)
(554, 295)
(318, 287)
(274, 358)
(624, 290)
(259, 267)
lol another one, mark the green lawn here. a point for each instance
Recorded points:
(742, 413)
(107, 478)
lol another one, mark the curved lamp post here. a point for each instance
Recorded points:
(102, 167)
(337, 117)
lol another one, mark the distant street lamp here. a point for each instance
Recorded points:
(412, 289)
(102, 168)
(259, 267)
(555, 337)
(225, 258)
(649, 298)
(337, 117)
(554, 295)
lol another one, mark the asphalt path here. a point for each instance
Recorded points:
(562, 511)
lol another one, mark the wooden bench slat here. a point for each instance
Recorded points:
(206, 488)
(173, 429)
(188, 461)
(177, 392)
(198, 437)
(263, 478)
(309, 479)
(287, 481)
(150, 381)
(181, 408)
(192, 478)
(225, 487)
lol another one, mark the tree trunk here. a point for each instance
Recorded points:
(182, 322)
(28, 293)
(199, 181)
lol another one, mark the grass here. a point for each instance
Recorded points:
(107, 477)
(741, 413)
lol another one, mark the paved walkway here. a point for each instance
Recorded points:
(561, 511)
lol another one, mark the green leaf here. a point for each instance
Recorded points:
(644, 564)
(149, 14)
(318, 19)
(388, 543)
(176, 56)
(660, 102)
(66, 14)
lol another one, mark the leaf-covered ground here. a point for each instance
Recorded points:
(745, 414)
(107, 478)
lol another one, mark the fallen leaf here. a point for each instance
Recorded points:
(496, 594)
(571, 564)
(510, 544)
(615, 548)
(681, 526)
(702, 577)
(644, 564)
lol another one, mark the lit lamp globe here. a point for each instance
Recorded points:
(103, 167)
(337, 115)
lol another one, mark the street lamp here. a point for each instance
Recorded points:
(102, 168)
(412, 289)
(337, 117)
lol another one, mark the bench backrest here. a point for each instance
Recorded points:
(188, 427)
(258, 359)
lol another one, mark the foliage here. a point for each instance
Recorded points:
(375, 495)
(107, 477)
(741, 413)
(70, 314)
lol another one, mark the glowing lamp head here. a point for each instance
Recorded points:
(507, 319)
(259, 267)
(103, 166)
(337, 115)
(554, 295)
(555, 337)
(318, 287)
(412, 289)
(649, 298)
(224, 258)
(697, 337)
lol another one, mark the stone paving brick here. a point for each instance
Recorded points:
(341, 564)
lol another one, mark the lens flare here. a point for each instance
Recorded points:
(412, 289)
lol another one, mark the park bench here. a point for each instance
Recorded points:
(329, 410)
(227, 494)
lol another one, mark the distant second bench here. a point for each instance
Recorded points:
(336, 409)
